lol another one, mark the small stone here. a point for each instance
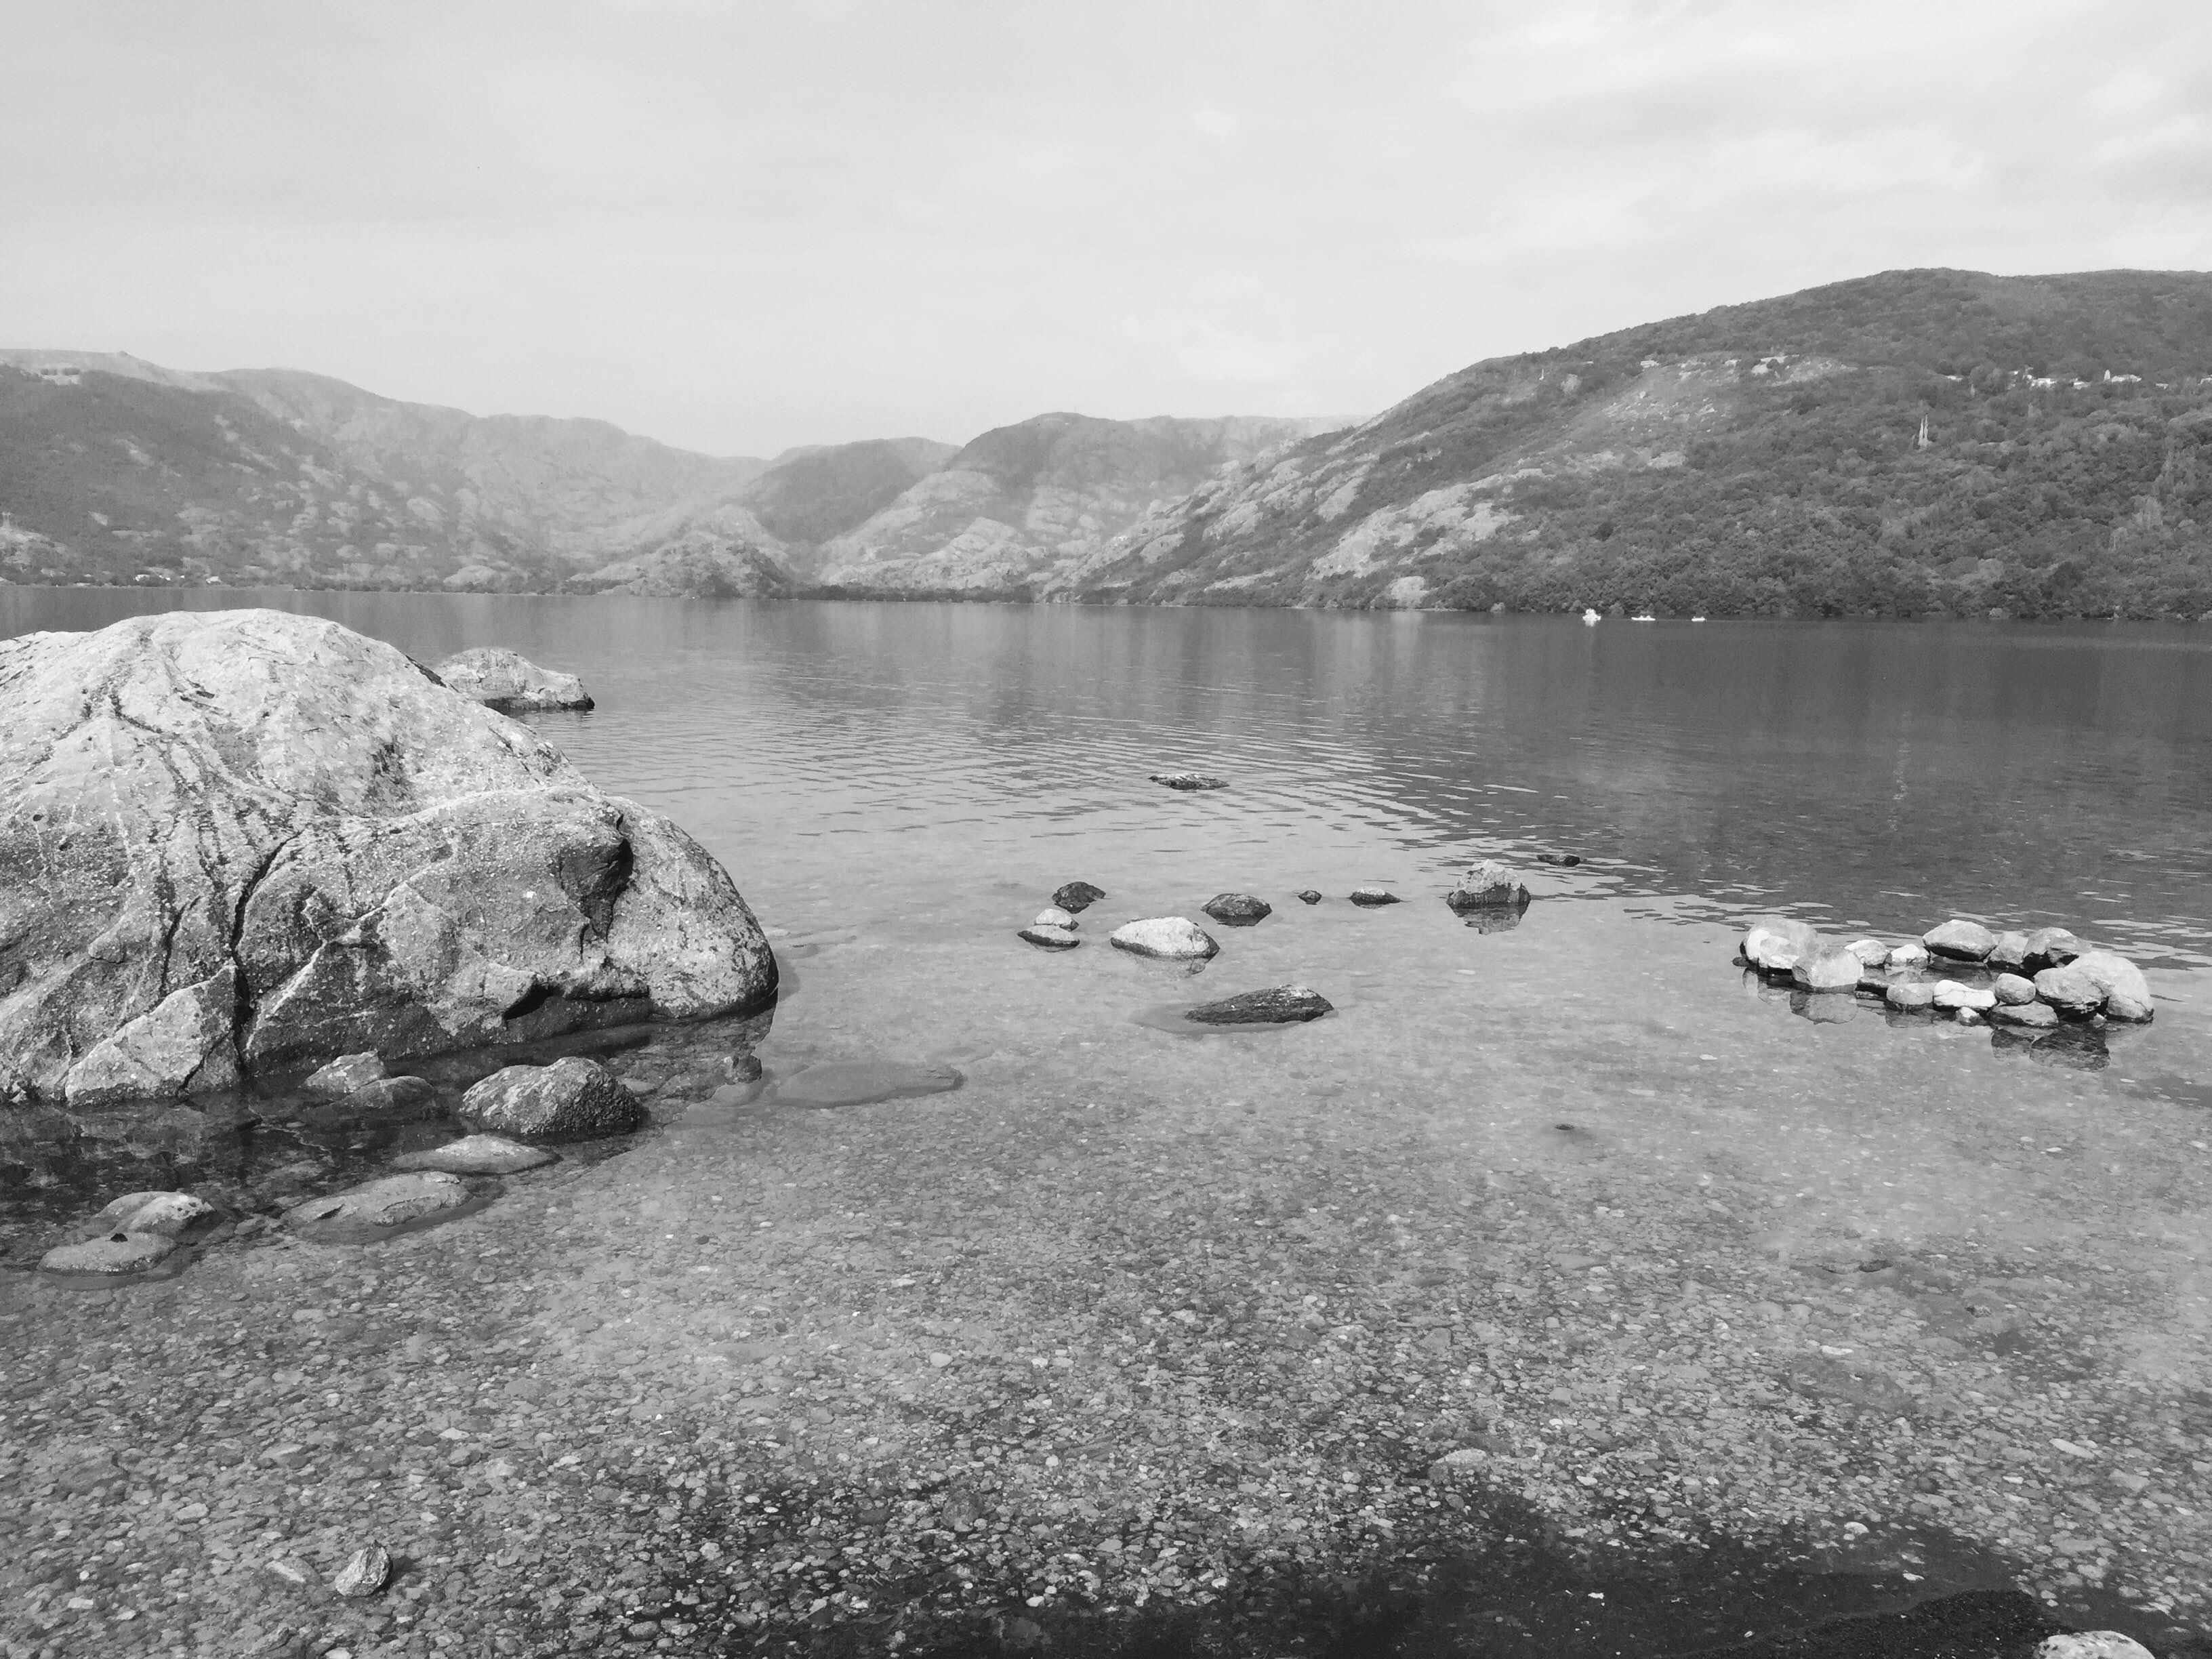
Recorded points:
(1767, 939)
(375, 1209)
(2033, 1015)
(1829, 968)
(1372, 896)
(1281, 1006)
(1053, 916)
(1464, 1464)
(345, 1074)
(1871, 951)
(387, 1100)
(2014, 990)
(1238, 909)
(1176, 937)
(1052, 939)
(1960, 940)
(1910, 996)
(1957, 998)
(366, 1571)
(2009, 951)
(1564, 860)
(572, 1099)
(479, 1155)
(2050, 947)
(2092, 1645)
(1075, 897)
(1911, 954)
(1189, 779)
(1307, 896)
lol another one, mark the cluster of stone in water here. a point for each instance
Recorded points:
(2039, 977)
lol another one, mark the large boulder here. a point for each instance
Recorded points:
(2127, 992)
(1828, 967)
(1281, 1005)
(2069, 990)
(246, 842)
(509, 682)
(572, 1099)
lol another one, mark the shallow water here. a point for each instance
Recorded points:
(897, 788)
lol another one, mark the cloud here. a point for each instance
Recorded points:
(1218, 124)
(1229, 327)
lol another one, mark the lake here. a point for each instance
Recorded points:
(1578, 1197)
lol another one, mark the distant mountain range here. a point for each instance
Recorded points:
(1918, 441)
(1923, 440)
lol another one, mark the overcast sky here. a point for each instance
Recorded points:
(740, 226)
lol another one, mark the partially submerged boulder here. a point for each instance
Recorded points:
(1238, 909)
(1774, 944)
(1960, 940)
(1049, 937)
(2127, 992)
(509, 682)
(246, 841)
(478, 1155)
(1488, 886)
(1828, 967)
(1075, 897)
(1280, 1004)
(1176, 937)
(1371, 898)
(138, 1231)
(2049, 947)
(1187, 780)
(345, 1074)
(572, 1099)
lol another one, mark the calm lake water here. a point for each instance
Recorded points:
(897, 788)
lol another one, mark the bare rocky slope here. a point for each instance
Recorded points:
(1920, 440)
(1023, 506)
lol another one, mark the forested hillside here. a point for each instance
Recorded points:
(1917, 441)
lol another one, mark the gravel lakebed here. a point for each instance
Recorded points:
(1565, 1330)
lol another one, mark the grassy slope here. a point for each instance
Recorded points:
(1698, 484)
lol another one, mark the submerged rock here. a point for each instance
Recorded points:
(509, 682)
(2031, 1015)
(1281, 1006)
(1189, 779)
(345, 1074)
(1488, 886)
(2127, 992)
(1564, 860)
(1075, 897)
(249, 841)
(1238, 909)
(864, 1082)
(1960, 940)
(572, 1099)
(1052, 939)
(1307, 896)
(1372, 896)
(2075, 1048)
(387, 1100)
(479, 1155)
(1176, 937)
(137, 1232)
(375, 1209)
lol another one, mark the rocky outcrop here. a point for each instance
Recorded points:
(509, 682)
(572, 1099)
(245, 842)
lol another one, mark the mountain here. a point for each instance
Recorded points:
(1915, 442)
(1022, 504)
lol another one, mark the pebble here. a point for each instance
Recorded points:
(366, 1571)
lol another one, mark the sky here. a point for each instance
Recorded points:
(740, 226)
